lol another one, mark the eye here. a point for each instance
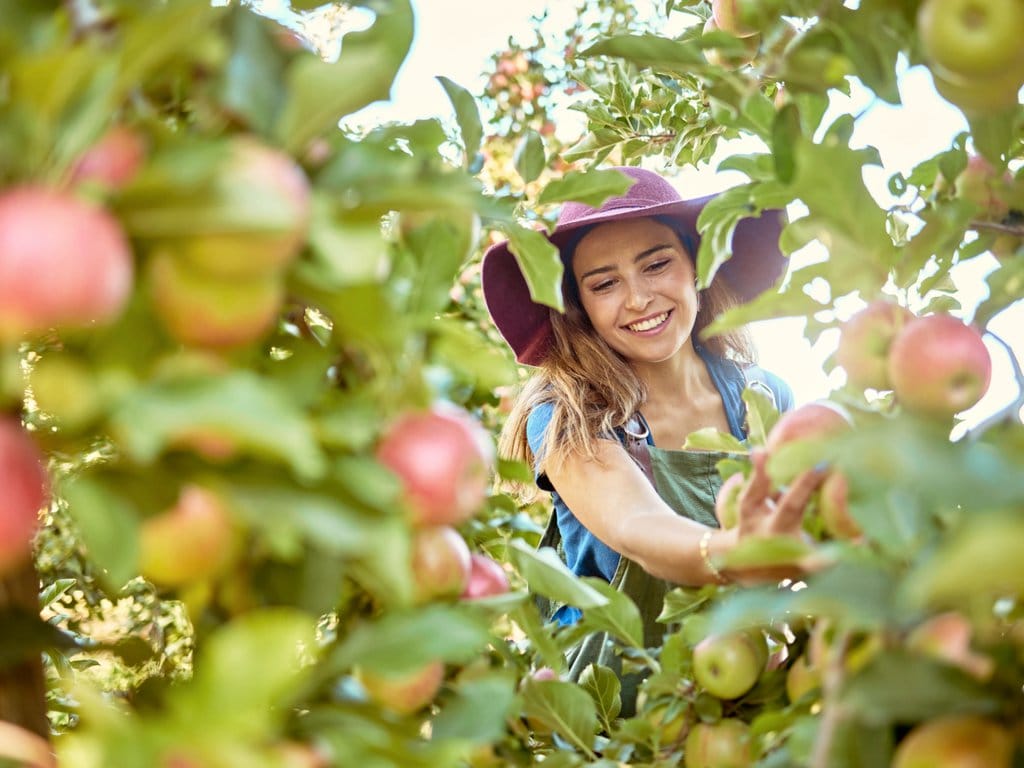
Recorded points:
(657, 265)
(602, 286)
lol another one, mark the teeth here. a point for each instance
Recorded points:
(647, 325)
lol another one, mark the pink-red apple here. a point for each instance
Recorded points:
(956, 741)
(113, 161)
(981, 184)
(486, 578)
(973, 38)
(63, 262)
(794, 443)
(725, 744)
(440, 562)
(729, 59)
(727, 666)
(254, 175)
(741, 18)
(939, 366)
(443, 458)
(25, 490)
(864, 343)
(947, 637)
(205, 311)
(191, 541)
(833, 506)
(403, 693)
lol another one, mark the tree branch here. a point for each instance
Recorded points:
(995, 226)
(1011, 412)
(832, 712)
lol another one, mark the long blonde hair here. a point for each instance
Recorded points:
(592, 388)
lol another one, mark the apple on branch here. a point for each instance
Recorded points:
(403, 693)
(956, 741)
(25, 484)
(864, 343)
(486, 578)
(727, 666)
(725, 744)
(440, 562)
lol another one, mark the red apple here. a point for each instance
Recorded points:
(737, 17)
(980, 184)
(26, 489)
(267, 178)
(206, 311)
(112, 161)
(443, 458)
(727, 666)
(947, 637)
(727, 502)
(63, 262)
(939, 366)
(440, 562)
(486, 578)
(864, 343)
(973, 38)
(794, 443)
(24, 748)
(833, 507)
(403, 693)
(729, 59)
(725, 744)
(191, 541)
(544, 673)
(955, 741)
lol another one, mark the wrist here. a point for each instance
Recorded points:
(714, 543)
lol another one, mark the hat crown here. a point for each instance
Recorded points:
(648, 189)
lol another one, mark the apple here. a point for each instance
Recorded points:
(743, 18)
(955, 741)
(65, 389)
(26, 490)
(440, 562)
(980, 184)
(982, 96)
(23, 748)
(947, 637)
(63, 262)
(971, 38)
(545, 673)
(443, 459)
(667, 722)
(727, 502)
(404, 693)
(728, 58)
(797, 436)
(864, 342)
(206, 311)
(834, 508)
(190, 541)
(486, 578)
(254, 174)
(939, 366)
(801, 679)
(725, 744)
(727, 666)
(113, 161)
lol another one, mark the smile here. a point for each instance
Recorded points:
(649, 324)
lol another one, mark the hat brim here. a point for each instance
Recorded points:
(756, 264)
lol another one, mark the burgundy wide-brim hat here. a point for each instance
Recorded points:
(755, 265)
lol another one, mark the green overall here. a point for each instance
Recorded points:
(688, 482)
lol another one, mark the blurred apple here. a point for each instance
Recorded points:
(113, 161)
(978, 96)
(955, 741)
(741, 18)
(65, 389)
(796, 439)
(189, 542)
(269, 179)
(947, 637)
(833, 506)
(801, 679)
(939, 366)
(727, 58)
(727, 666)
(667, 721)
(404, 693)
(23, 749)
(725, 744)
(440, 562)
(864, 343)
(205, 311)
(486, 578)
(981, 184)
(971, 38)
(63, 262)
(443, 458)
(727, 502)
(25, 488)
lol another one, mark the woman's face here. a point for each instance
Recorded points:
(636, 284)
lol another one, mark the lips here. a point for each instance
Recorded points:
(649, 323)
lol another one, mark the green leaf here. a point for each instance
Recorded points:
(619, 616)
(466, 115)
(658, 53)
(368, 482)
(786, 131)
(711, 439)
(252, 84)
(762, 414)
(680, 602)
(547, 575)
(321, 93)
(716, 223)
(529, 156)
(993, 134)
(240, 409)
(108, 526)
(478, 711)
(562, 708)
(1005, 287)
(25, 636)
(588, 187)
(605, 689)
(765, 552)
(345, 251)
(540, 263)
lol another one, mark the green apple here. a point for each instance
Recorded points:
(956, 741)
(973, 38)
(728, 666)
(864, 341)
(727, 57)
(725, 744)
(744, 18)
(65, 389)
(205, 311)
(403, 693)
(801, 679)
(978, 96)
(668, 722)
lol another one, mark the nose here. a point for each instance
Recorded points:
(639, 295)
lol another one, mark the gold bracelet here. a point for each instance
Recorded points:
(704, 549)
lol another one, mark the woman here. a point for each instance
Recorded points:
(622, 378)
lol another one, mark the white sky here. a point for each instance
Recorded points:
(455, 38)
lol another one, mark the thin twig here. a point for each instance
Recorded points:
(832, 713)
(996, 226)
(1010, 412)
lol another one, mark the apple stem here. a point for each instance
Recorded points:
(995, 226)
(1012, 411)
(832, 710)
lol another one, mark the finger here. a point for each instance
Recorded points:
(790, 509)
(758, 487)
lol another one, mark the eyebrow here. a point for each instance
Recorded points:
(639, 257)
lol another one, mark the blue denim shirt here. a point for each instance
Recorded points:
(585, 554)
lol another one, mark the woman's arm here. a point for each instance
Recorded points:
(613, 499)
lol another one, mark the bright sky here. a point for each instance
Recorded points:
(455, 38)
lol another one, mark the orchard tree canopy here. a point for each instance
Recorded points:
(250, 508)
